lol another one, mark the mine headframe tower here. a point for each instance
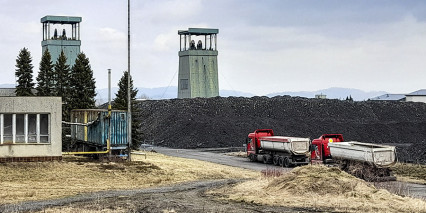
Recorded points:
(198, 73)
(56, 39)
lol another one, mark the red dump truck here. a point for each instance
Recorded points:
(285, 151)
(364, 160)
(321, 152)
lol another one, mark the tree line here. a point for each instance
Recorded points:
(76, 85)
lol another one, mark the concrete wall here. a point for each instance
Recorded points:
(34, 105)
(201, 70)
(7, 91)
(417, 98)
(71, 49)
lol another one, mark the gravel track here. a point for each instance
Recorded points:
(219, 158)
(187, 197)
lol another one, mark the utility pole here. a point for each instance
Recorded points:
(109, 112)
(129, 104)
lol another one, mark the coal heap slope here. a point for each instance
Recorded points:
(225, 122)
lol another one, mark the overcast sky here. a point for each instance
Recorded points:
(264, 46)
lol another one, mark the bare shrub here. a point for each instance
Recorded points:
(272, 172)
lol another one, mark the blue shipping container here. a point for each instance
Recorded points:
(96, 131)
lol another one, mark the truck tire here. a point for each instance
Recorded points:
(286, 162)
(275, 160)
(267, 159)
(252, 158)
(280, 161)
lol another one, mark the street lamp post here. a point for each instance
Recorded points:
(129, 104)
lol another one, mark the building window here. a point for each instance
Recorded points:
(32, 128)
(24, 128)
(183, 84)
(20, 128)
(7, 128)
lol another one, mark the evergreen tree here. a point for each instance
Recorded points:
(24, 73)
(82, 84)
(120, 103)
(349, 98)
(61, 80)
(45, 84)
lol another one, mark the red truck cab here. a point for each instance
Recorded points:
(320, 152)
(253, 142)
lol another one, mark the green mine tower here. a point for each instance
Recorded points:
(198, 75)
(61, 33)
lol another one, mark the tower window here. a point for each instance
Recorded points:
(183, 84)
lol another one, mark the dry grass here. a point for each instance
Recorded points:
(96, 207)
(323, 188)
(415, 173)
(46, 180)
(237, 154)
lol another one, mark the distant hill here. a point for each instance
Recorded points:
(7, 85)
(334, 93)
(160, 93)
(171, 92)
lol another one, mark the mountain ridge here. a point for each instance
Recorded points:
(171, 93)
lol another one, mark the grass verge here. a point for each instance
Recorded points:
(415, 173)
(322, 188)
(74, 175)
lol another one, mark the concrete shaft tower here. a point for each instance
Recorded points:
(198, 74)
(61, 33)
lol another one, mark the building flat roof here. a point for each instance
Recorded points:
(421, 92)
(61, 19)
(389, 97)
(7, 92)
(198, 31)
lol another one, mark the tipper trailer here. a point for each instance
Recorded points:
(365, 160)
(376, 154)
(263, 146)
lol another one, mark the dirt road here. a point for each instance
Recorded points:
(187, 197)
(411, 189)
(216, 156)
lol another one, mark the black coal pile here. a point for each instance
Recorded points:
(226, 122)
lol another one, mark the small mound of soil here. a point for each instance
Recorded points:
(137, 166)
(320, 180)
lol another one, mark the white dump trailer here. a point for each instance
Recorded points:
(280, 150)
(376, 154)
(368, 161)
(291, 145)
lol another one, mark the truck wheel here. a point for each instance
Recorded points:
(265, 160)
(280, 161)
(276, 161)
(286, 162)
(252, 158)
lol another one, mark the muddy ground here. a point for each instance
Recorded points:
(226, 122)
(188, 197)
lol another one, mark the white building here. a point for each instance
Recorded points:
(389, 97)
(417, 96)
(30, 128)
